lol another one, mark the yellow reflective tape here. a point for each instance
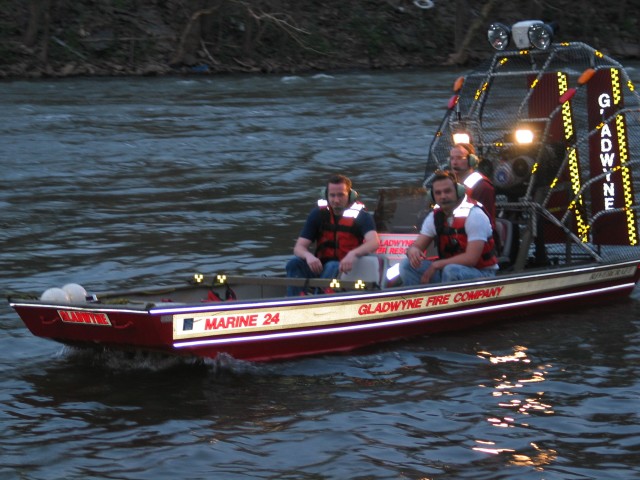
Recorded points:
(482, 89)
(623, 152)
(574, 165)
(615, 86)
(627, 187)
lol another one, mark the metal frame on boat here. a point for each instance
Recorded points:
(568, 203)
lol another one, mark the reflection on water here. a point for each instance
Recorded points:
(512, 395)
(113, 183)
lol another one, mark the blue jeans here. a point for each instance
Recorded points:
(450, 273)
(298, 268)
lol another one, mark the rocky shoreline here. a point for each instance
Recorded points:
(45, 39)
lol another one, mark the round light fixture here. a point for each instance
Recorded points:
(540, 36)
(499, 36)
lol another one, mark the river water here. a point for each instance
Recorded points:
(117, 183)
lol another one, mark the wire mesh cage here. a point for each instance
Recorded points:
(573, 188)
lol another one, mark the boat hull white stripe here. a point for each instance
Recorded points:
(386, 323)
(318, 299)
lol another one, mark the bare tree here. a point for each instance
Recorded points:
(38, 19)
(460, 56)
(254, 23)
(191, 33)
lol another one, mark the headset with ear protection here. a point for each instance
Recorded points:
(461, 191)
(472, 158)
(353, 195)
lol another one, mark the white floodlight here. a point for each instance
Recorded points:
(499, 36)
(524, 136)
(541, 36)
(461, 137)
(531, 33)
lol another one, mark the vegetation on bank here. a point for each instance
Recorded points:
(150, 37)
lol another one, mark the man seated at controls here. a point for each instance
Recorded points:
(342, 231)
(463, 235)
(464, 163)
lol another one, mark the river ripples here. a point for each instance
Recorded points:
(114, 183)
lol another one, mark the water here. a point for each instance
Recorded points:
(114, 183)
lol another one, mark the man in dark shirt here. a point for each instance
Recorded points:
(342, 230)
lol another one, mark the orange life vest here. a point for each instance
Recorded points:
(338, 238)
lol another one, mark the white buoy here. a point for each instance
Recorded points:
(76, 293)
(55, 295)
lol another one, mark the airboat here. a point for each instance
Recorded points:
(557, 126)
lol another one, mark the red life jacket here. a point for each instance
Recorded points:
(470, 182)
(452, 239)
(472, 179)
(338, 238)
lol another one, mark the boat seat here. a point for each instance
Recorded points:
(401, 209)
(369, 268)
(504, 228)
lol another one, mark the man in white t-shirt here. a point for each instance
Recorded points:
(463, 236)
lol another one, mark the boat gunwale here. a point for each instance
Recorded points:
(151, 308)
(340, 297)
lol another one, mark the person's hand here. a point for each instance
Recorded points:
(415, 256)
(346, 264)
(426, 276)
(314, 264)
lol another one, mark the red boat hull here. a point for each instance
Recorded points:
(326, 323)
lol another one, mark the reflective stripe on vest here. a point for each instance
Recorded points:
(338, 238)
(452, 240)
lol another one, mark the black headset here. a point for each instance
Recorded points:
(461, 190)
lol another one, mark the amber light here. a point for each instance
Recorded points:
(457, 85)
(586, 76)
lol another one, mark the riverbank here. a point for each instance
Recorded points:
(40, 38)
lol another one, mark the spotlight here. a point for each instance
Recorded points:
(540, 36)
(524, 136)
(532, 33)
(461, 137)
(499, 36)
